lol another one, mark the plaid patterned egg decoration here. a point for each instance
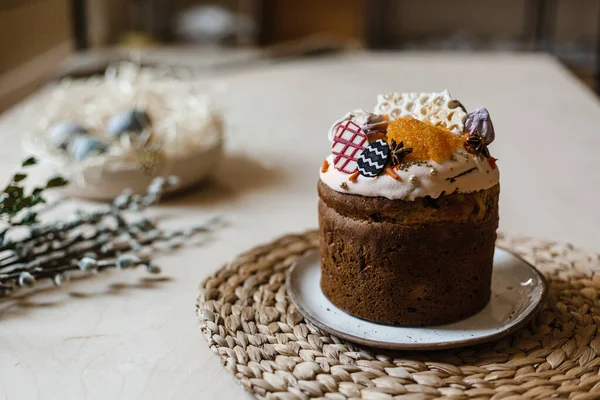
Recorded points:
(349, 141)
(373, 159)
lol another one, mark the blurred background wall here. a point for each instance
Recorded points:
(45, 30)
(278, 20)
(29, 28)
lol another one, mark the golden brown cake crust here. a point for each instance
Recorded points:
(411, 263)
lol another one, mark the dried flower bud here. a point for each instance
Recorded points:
(157, 185)
(87, 264)
(127, 261)
(153, 268)
(154, 235)
(169, 235)
(145, 254)
(151, 199)
(122, 201)
(107, 247)
(480, 121)
(26, 279)
(174, 244)
(60, 278)
(145, 224)
(173, 180)
(134, 245)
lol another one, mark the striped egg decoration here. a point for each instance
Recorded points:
(373, 159)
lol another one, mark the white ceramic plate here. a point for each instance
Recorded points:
(517, 291)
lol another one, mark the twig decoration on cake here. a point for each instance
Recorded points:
(454, 178)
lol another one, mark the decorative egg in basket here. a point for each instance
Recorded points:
(128, 121)
(106, 134)
(63, 133)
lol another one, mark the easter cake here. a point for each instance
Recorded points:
(408, 211)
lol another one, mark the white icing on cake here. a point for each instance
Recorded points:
(425, 184)
(463, 173)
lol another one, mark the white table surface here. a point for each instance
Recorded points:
(118, 337)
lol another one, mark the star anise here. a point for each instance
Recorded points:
(476, 144)
(398, 152)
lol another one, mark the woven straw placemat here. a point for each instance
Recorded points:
(249, 321)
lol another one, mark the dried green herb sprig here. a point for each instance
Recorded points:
(17, 207)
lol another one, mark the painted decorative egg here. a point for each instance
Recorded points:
(128, 121)
(373, 159)
(83, 147)
(349, 141)
(62, 133)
